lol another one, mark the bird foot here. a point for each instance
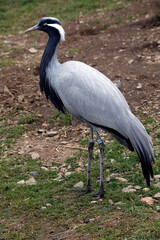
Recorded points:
(83, 191)
(100, 194)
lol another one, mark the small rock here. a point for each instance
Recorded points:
(79, 169)
(117, 82)
(51, 133)
(33, 173)
(108, 179)
(118, 203)
(157, 185)
(34, 155)
(148, 200)
(158, 208)
(68, 174)
(129, 189)
(59, 179)
(114, 175)
(146, 189)
(54, 168)
(21, 182)
(139, 86)
(41, 131)
(130, 61)
(43, 208)
(121, 179)
(31, 181)
(118, 208)
(157, 195)
(94, 201)
(137, 187)
(113, 161)
(79, 185)
(157, 176)
(48, 205)
(111, 202)
(44, 168)
(33, 50)
(20, 98)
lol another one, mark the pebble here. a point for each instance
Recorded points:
(33, 173)
(139, 86)
(113, 161)
(33, 50)
(157, 195)
(148, 200)
(121, 179)
(146, 189)
(20, 98)
(21, 182)
(137, 187)
(158, 208)
(129, 189)
(157, 176)
(34, 155)
(79, 185)
(43, 208)
(51, 133)
(41, 130)
(48, 205)
(111, 202)
(68, 174)
(54, 168)
(31, 181)
(130, 61)
(44, 168)
(157, 185)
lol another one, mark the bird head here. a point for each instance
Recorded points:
(49, 25)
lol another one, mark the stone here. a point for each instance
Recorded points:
(44, 168)
(20, 98)
(157, 195)
(21, 182)
(31, 181)
(130, 61)
(129, 189)
(139, 86)
(148, 200)
(41, 131)
(33, 173)
(54, 168)
(158, 208)
(157, 176)
(68, 174)
(157, 185)
(34, 155)
(48, 205)
(111, 202)
(51, 133)
(33, 50)
(146, 189)
(79, 185)
(43, 208)
(113, 161)
(121, 179)
(137, 187)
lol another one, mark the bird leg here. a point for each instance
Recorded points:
(101, 148)
(90, 150)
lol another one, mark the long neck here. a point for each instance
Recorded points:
(50, 54)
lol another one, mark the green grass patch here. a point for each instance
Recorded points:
(28, 119)
(62, 119)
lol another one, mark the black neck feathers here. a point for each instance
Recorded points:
(45, 84)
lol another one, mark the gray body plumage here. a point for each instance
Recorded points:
(92, 98)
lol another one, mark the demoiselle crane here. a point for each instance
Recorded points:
(93, 99)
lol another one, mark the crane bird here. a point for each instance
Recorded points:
(92, 98)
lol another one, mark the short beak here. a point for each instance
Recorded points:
(31, 29)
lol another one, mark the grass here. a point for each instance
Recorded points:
(30, 211)
(18, 15)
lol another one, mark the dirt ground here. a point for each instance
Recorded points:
(128, 53)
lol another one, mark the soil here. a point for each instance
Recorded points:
(127, 53)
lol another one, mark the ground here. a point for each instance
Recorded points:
(123, 44)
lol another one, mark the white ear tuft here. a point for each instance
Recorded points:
(60, 29)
